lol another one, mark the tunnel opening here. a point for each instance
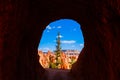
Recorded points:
(61, 44)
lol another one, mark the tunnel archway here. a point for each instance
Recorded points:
(71, 43)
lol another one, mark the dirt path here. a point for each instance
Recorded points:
(56, 74)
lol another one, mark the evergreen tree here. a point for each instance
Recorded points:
(58, 49)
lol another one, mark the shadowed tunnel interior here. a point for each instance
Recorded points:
(23, 21)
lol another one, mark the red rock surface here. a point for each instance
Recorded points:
(23, 21)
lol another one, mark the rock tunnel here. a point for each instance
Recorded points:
(23, 21)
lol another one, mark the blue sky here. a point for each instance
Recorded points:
(70, 32)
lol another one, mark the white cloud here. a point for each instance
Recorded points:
(68, 41)
(59, 27)
(48, 27)
(81, 44)
(60, 36)
(46, 48)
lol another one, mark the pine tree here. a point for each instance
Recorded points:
(58, 49)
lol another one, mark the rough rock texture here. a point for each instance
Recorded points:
(23, 21)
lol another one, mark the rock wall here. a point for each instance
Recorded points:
(23, 21)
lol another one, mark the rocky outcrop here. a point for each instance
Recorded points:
(23, 21)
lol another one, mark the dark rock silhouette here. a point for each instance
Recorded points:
(23, 21)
